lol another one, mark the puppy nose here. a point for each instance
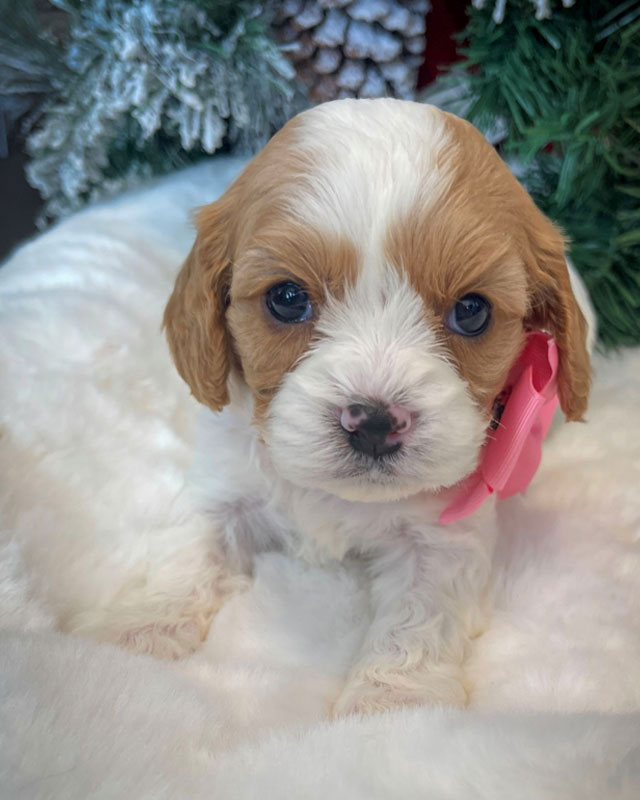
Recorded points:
(375, 430)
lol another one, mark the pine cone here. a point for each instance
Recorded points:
(354, 48)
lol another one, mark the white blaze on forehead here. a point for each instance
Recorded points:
(372, 162)
(376, 329)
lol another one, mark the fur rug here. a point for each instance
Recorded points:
(96, 434)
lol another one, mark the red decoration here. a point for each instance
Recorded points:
(444, 21)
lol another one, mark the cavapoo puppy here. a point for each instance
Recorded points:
(350, 311)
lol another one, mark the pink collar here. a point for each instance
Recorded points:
(512, 452)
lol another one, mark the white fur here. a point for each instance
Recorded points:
(80, 721)
(97, 432)
(374, 345)
(369, 170)
(85, 560)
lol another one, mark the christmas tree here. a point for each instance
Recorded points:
(133, 88)
(563, 84)
(143, 86)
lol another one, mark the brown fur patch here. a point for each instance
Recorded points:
(194, 317)
(248, 241)
(485, 235)
(268, 349)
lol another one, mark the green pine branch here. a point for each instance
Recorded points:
(568, 91)
(143, 86)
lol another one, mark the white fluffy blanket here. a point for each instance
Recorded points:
(95, 438)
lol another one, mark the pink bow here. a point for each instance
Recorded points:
(512, 452)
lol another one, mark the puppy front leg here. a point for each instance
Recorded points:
(166, 602)
(428, 594)
(168, 619)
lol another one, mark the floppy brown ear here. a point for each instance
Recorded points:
(553, 308)
(194, 318)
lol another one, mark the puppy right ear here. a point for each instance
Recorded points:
(194, 318)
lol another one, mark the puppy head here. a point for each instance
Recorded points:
(370, 277)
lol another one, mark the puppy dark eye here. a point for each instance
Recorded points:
(288, 302)
(470, 316)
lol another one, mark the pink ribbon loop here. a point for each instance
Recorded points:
(512, 453)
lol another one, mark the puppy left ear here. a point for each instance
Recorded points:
(553, 308)
(194, 318)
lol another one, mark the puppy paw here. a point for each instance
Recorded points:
(367, 696)
(167, 641)
(161, 634)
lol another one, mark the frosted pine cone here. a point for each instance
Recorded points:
(354, 48)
